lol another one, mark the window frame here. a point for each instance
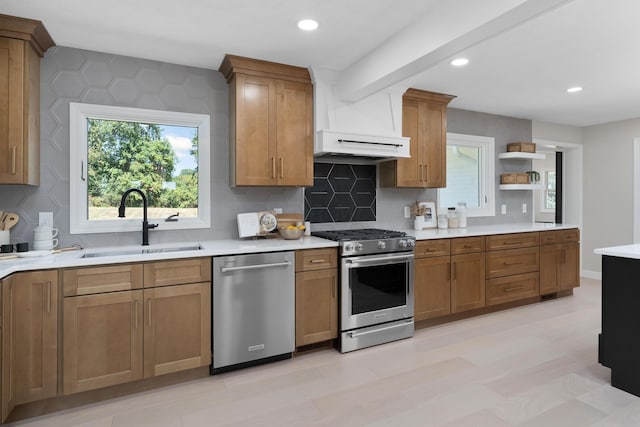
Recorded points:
(79, 113)
(486, 144)
(545, 190)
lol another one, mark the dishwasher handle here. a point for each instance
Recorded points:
(255, 266)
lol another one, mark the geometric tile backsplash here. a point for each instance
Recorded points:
(341, 193)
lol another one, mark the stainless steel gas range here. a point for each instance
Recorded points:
(376, 286)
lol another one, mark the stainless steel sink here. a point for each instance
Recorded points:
(141, 251)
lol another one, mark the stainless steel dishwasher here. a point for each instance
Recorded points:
(253, 309)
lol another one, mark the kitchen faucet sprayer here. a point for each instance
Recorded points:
(145, 224)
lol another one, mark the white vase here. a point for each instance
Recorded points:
(418, 223)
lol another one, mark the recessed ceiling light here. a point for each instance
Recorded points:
(574, 89)
(307, 24)
(459, 62)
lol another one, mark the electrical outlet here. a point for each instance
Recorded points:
(407, 212)
(504, 209)
(45, 218)
(524, 208)
(277, 210)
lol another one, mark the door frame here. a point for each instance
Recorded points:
(636, 190)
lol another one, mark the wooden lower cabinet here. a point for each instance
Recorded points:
(316, 306)
(432, 287)
(102, 340)
(36, 335)
(177, 328)
(467, 282)
(559, 267)
(29, 338)
(8, 392)
(119, 337)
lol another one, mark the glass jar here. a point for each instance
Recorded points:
(453, 217)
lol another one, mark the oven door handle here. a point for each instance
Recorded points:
(386, 328)
(378, 259)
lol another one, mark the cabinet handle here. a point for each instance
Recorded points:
(273, 167)
(49, 297)
(333, 288)
(281, 168)
(448, 271)
(421, 172)
(314, 261)
(426, 173)
(13, 160)
(135, 312)
(149, 306)
(513, 288)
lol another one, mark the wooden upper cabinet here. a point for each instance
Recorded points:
(271, 123)
(22, 43)
(424, 121)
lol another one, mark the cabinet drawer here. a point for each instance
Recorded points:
(514, 261)
(177, 272)
(429, 248)
(466, 245)
(559, 236)
(512, 288)
(512, 241)
(316, 259)
(95, 280)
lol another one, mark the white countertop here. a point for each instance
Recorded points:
(209, 248)
(237, 246)
(484, 230)
(626, 251)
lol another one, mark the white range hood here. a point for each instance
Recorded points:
(340, 145)
(369, 130)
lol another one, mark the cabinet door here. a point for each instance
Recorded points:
(569, 266)
(467, 282)
(434, 144)
(8, 337)
(36, 340)
(316, 306)
(177, 328)
(409, 170)
(294, 134)
(102, 341)
(432, 287)
(254, 155)
(549, 260)
(12, 102)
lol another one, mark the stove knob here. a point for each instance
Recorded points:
(359, 246)
(381, 245)
(348, 247)
(411, 242)
(402, 243)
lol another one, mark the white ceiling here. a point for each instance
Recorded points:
(524, 53)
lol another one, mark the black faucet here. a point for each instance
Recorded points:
(145, 224)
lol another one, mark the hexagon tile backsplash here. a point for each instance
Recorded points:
(341, 193)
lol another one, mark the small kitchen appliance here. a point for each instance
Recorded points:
(376, 286)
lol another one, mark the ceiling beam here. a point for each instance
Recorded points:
(439, 35)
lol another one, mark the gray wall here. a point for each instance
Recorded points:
(73, 75)
(504, 130)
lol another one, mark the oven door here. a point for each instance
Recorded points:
(376, 289)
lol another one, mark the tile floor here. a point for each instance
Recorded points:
(529, 366)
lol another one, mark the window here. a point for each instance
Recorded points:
(549, 193)
(165, 154)
(470, 172)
